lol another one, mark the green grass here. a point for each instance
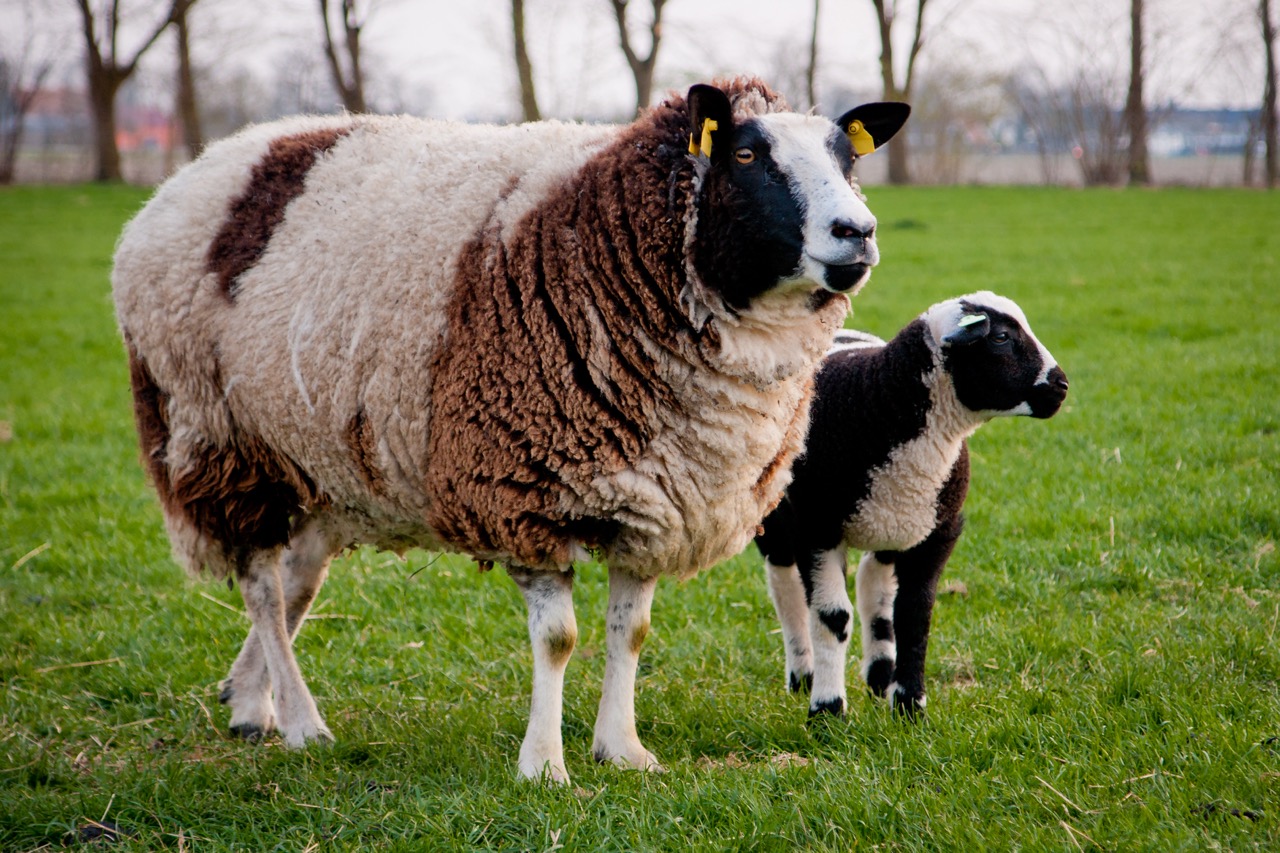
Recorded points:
(1110, 676)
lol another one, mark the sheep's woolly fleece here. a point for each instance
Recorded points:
(455, 336)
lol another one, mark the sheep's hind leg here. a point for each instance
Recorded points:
(918, 570)
(830, 617)
(616, 740)
(247, 689)
(877, 590)
(787, 591)
(264, 597)
(553, 632)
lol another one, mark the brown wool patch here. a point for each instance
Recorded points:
(638, 637)
(153, 426)
(560, 389)
(560, 645)
(363, 446)
(277, 179)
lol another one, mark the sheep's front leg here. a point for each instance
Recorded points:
(630, 600)
(264, 599)
(830, 617)
(247, 689)
(553, 632)
(918, 570)
(876, 590)
(786, 589)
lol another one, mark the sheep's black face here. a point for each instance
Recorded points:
(998, 367)
(778, 206)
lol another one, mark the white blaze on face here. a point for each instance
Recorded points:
(800, 146)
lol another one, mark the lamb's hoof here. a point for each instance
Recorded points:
(905, 705)
(879, 676)
(800, 682)
(549, 771)
(827, 709)
(249, 732)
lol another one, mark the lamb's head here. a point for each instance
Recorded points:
(778, 205)
(997, 365)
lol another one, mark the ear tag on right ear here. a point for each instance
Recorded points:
(970, 319)
(863, 143)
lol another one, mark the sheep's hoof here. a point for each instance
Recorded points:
(879, 676)
(827, 709)
(309, 735)
(227, 693)
(549, 773)
(800, 682)
(635, 757)
(249, 732)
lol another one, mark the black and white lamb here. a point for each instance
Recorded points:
(885, 470)
(526, 343)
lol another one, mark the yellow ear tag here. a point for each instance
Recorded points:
(704, 147)
(863, 144)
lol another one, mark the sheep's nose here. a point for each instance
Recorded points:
(846, 229)
(1058, 379)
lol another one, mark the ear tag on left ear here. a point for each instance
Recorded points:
(704, 146)
(863, 143)
(969, 320)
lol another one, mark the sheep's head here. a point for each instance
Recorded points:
(997, 365)
(778, 202)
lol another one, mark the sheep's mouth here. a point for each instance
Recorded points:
(842, 278)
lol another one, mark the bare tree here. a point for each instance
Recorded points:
(20, 80)
(348, 80)
(641, 67)
(524, 68)
(811, 73)
(1271, 149)
(186, 106)
(107, 72)
(1135, 110)
(895, 90)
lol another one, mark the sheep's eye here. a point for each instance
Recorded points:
(745, 156)
(999, 338)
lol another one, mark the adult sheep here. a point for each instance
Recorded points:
(886, 470)
(524, 343)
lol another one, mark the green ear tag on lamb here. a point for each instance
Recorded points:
(863, 143)
(970, 319)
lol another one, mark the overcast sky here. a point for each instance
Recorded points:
(453, 57)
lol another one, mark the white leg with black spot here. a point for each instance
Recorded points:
(627, 625)
(830, 619)
(876, 587)
(786, 589)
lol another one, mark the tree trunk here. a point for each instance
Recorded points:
(349, 83)
(899, 149)
(524, 68)
(1135, 111)
(811, 74)
(1271, 149)
(641, 67)
(188, 112)
(102, 104)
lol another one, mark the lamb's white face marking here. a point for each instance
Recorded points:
(945, 317)
(801, 148)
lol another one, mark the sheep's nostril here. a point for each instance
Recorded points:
(841, 231)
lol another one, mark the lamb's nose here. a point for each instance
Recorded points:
(1058, 379)
(845, 229)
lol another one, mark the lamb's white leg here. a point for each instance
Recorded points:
(787, 591)
(830, 615)
(263, 592)
(876, 587)
(553, 632)
(247, 689)
(630, 599)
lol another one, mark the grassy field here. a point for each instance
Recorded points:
(1104, 672)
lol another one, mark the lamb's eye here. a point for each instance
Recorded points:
(999, 337)
(745, 156)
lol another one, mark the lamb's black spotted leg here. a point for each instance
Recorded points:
(877, 589)
(830, 618)
(918, 570)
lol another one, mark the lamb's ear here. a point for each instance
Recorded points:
(710, 122)
(872, 125)
(971, 328)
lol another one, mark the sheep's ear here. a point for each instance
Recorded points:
(710, 122)
(872, 125)
(971, 328)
